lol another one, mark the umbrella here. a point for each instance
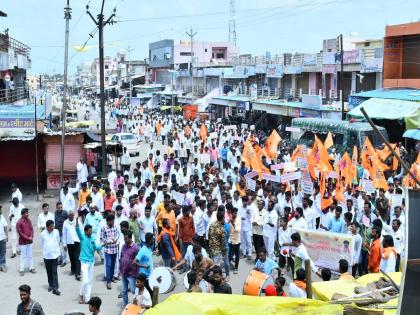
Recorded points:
(412, 133)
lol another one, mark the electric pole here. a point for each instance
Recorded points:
(343, 114)
(191, 34)
(129, 49)
(67, 17)
(101, 24)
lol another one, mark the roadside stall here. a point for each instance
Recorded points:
(92, 150)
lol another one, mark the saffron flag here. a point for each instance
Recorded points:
(329, 142)
(326, 199)
(272, 144)
(297, 153)
(203, 132)
(368, 155)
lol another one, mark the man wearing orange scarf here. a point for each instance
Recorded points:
(170, 253)
(298, 287)
(375, 252)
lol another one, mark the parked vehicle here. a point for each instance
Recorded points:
(346, 134)
(129, 141)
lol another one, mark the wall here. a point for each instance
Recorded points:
(157, 52)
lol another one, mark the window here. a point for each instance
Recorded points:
(184, 53)
(128, 137)
(205, 50)
(106, 67)
(220, 55)
(367, 44)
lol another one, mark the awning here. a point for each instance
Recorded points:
(391, 109)
(412, 133)
(176, 108)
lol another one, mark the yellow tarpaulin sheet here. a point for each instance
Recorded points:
(226, 304)
(324, 290)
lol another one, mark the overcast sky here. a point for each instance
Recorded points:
(262, 25)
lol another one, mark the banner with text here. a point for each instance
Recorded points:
(326, 248)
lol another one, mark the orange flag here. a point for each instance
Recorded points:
(271, 144)
(203, 132)
(187, 130)
(346, 169)
(248, 154)
(329, 142)
(326, 199)
(257, 164)
(297, 153)
(368, 156)
(339, 191)
(395, 160)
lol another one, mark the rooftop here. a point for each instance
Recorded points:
(400, 94)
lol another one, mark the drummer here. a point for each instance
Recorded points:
(189, 256)
(266, 265)
(200, 263)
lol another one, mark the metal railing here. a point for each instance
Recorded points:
(7, 42)
(9, 96)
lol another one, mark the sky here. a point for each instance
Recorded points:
(277, 26)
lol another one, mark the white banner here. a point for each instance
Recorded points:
(250, 184)
(179, 198)
(251, 174)
(290, 176)
(306, 183)
(229, 127)
(302, 163)
(396, 200)
(292, 129)
(273, 178)
(367, 185)
(277, 166)
(326, 248)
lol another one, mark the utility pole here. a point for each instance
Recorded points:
(191, 34)
(343, 114)
(67, 17)
(101, 24)
(129, 49)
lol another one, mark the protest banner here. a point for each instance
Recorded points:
(290, 176)
(273, 178)
(326, 248)
(367, 185)
(396, 200)
(213, 135)
(251, 174)
(229, 127)
(302, 163)
(179, 198)
(250, 184)
(277, 166)
(306, 183)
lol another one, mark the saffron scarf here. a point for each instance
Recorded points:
(300, 284)
(171, 235)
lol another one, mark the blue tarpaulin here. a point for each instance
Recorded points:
(412, 133)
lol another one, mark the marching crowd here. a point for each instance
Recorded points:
(212, 197)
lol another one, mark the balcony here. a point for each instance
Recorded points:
(8, 96)
(17, 53)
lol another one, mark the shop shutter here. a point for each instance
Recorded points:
(72, 155)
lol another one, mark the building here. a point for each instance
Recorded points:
(402, 56)
(15, 60)
(167, 55)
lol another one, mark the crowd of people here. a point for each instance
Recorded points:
(205, 202)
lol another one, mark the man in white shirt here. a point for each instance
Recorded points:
(14, 215)
(111, 177)
(16, 192)
(298, 287)
(147, 224)
(245, 213)
(97, 198)
(3, 240)
(44, 216)
(82, 171)
(309, 213)
(198, 218)
(50, 243)
(67, 200)
(325, 220)
(354, 227)
(298, 222)
(270, 229)
(398, 237)
(257, 226)
(71, 243)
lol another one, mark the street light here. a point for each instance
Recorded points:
(172, 89)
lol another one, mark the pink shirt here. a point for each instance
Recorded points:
(214, 154)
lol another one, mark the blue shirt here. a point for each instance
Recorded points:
(145, 257)
(224, 153)
(227, 232)
(87, 247)
(337, 225)
(267, 266)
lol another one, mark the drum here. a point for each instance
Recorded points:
(256, 282)
(204, 285)
(132, 309)
(163, 278)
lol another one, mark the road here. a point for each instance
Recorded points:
(69, 287)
